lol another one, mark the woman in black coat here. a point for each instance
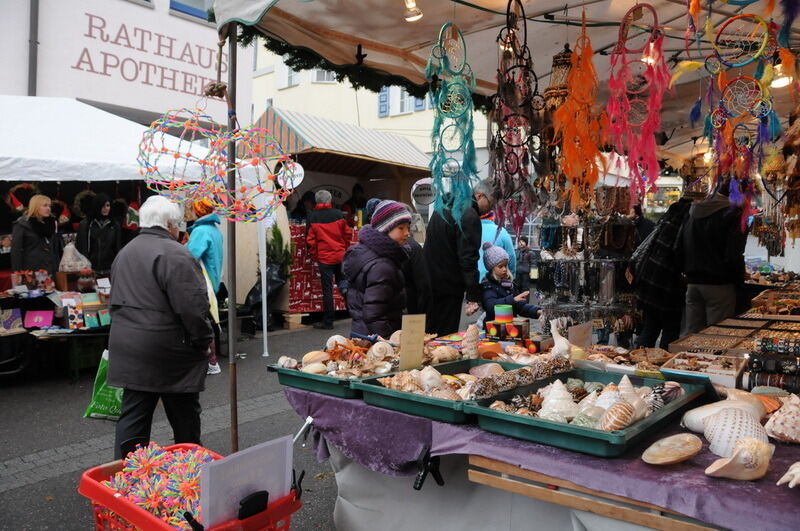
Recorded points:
(34, 240)
(376, 286)
(99, 235)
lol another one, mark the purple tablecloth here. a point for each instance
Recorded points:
(389, 442)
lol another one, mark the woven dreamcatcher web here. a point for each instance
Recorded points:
(580, 124)
(515, 123)
(453, 162)
(637, 82)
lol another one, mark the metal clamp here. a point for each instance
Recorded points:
(426, 464)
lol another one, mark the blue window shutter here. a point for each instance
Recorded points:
(419, 104)
(383, 102)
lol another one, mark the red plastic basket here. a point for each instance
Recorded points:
(114, 513)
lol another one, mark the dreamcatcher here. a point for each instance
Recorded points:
(453, 162)
(515, 122)
(638, 79)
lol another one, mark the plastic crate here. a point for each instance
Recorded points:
(114, 513)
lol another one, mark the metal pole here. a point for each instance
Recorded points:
(33, 48)
(233, 332)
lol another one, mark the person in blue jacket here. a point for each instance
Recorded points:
(501, 238)
(205, 244)
(497, 286)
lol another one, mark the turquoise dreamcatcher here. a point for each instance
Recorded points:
(452, 165)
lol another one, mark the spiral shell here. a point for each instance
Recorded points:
(608, 397)
(584, 420)
(559, 401)
(523, 375)
(381, 350)
(784, 425)
(617, 417)
(499, 405)
(484, 388)
(287, 363)
(444, 353)
(446, 393)
(726, 427)
(593, 386)
(469, 345)
(505, 381)
(334, 340)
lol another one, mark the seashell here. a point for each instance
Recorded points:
(594, 412)
(573, 383)
(724, 429)
(532, 402)
(445, 393)
(466, 392)
(694, 418)
(334, 340)
(617, 417)
(749, 461)
(765, 390)
(469, 345)
(593, 386)
(552, 415)
(383, 367)
(672, 390)
(315, 368)
(499, 405)
(430, 379)
(451, 381)
(608, 397)
(625, 385)
(525, 411)
(394, 339)
(287, 363)
(655, 400)
(544, 390)
(578, 394)
(486, 369)
(559, 401)
(464, 377)
(792, 476)
(489, 350)
(331, 366)
(629, 394)
(523, 375)
(744, 396)
(505, 381)
(771, 404)
(673, 449)
(316, 356)
(381, 350)
(444, 353)
(484, 388)
(584, 420)
(784, 425)
(643, 391)
(588, 401)
(599, 357)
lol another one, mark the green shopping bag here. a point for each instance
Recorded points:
(106, 400)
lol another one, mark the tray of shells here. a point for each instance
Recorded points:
(705, 342)
(587, 411)
(440, 392)
(742, 323)
(330, 370)
(642, 361)
(785, 325)
(721, 370)
(722, 331)
(776, 334)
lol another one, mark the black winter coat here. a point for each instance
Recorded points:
(493, 292)
(160, 327)
(35, 245)
(451, 253)
(376, 292)
(99, 240)
(415, 272)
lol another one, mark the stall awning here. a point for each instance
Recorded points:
(303, 134)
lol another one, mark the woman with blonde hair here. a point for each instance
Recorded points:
(34, 240)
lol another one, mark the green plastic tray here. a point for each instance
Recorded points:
(327, 385)
(579, 438)
(451, 411)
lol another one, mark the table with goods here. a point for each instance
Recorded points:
(682, 440)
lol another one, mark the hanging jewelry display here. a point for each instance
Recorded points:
(580, 124)
(452, 83)
(515, 122)
(638, 79)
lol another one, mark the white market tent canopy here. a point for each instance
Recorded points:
(334, 29)
(62, 139)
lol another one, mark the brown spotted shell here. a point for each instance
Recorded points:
(617, 417)
(784, 425)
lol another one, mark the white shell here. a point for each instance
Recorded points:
(555, 416)
(594, 412)
(315, 368)
(608, 397)
(792, 476)
(694, 418)
(429, 379)
(587, 402)
(629, 394)
(744, 396)
(287, 363)
(335, 340)
(394, 339)
(469, 345)
(559, 401)
(724, 429)
(380, 350)
(383, 367)
(625, 385)
(749, 461)
(784, 424)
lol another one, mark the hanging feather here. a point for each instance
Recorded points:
(708, 129)
(694, 11)
(769, 8)
(683, 67)
(694, 114)
(759, 71)
(722, 80)
(775, 128)
(790, 9)
(767, 73)
(788, 61)
(735, 193)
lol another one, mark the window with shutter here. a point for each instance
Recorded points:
(383, 102)
(419, 104)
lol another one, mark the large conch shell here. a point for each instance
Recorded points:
(558, 402)
(407, 381)
(608, 397)
(335, 340)
(469, 345)
(561, 347)
(444, 353)
(784, 425)
(749, 461)
(380, 350)
(694, 418)
(628, 393)
(725, 428)
(316, 356)
(430, 379)
(617, 417)
(792, 476)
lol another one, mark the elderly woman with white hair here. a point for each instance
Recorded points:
(160, 329)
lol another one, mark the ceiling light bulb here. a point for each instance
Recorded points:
(707, 156)
(413, 13)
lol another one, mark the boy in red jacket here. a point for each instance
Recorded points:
(328, 237)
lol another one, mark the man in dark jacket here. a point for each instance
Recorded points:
(451, 254)
(160, 331)
(328, 238)
(711, 249)
(99, 235)
(643, 225)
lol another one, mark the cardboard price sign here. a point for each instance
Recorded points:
(411, 341)
(580, 335)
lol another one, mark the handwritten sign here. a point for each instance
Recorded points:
(411, 341)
